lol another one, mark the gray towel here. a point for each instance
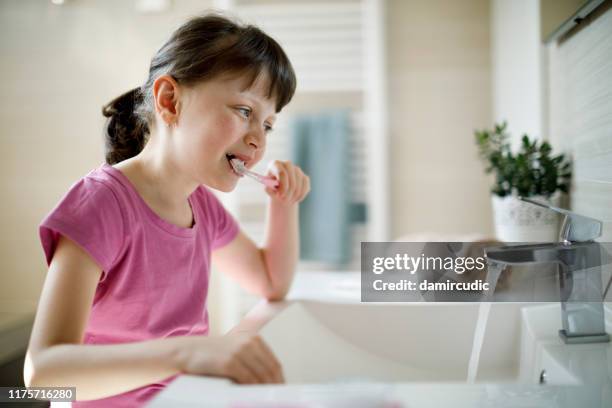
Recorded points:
(319, 145)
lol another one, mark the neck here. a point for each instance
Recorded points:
(158, 170)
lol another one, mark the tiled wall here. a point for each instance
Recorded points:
(580, 112)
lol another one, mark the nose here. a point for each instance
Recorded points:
(255, 138)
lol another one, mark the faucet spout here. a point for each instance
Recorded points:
(579, 270)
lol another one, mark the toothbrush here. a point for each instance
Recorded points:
(240, 168)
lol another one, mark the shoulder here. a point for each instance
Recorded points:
(97, 190)
(90, 214)
(92, 203)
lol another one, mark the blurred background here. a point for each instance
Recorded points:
(389, 95)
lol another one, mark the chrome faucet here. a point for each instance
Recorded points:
(579, 259)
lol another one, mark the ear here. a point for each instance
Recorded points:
(166, 92)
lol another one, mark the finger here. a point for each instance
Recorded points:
(292, 180)
(260, 362)
(274, 366)
(240, 373)
(256, 364)
(306, 188)
(299, 184)
(282, 179)
(288, 180)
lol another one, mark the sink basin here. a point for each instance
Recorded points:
(421, 342)
(339, 352)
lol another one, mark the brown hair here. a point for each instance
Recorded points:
(201, 49)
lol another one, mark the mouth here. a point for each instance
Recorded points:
(229, 157)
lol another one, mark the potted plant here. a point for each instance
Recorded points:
(531, 172)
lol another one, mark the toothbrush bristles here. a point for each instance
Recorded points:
(240, 169)
(238, 166)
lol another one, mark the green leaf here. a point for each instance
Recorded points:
(532, 170)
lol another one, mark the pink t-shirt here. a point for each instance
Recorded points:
(155, 275)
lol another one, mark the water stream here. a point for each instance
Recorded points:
(493, 272)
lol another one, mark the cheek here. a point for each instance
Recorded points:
(225, 132)
(212, 137)
(224, 123)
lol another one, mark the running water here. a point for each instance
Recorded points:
(493, 272)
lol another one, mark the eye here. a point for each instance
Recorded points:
(245, 112)
(268, 128)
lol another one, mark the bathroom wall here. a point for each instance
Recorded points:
(517, 67)
(561, 92)
(580, 119)
(439, 67)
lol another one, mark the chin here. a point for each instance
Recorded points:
(225, 187)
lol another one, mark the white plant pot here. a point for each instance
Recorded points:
(518, 221)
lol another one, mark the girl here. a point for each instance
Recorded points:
(123, 307)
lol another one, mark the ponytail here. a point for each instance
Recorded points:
(125, 131)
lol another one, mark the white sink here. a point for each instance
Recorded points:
(337, 351)
(426, 342)
(542, 349)
(320, 342)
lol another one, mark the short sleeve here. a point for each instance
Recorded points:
(90, 215)
(225, 226)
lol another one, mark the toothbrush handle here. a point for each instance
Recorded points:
(265, 180)
(269, 182)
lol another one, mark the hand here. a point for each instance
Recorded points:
(293, 184)
(245, 358)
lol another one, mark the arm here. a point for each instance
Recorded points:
(268, 271)
(56, 357)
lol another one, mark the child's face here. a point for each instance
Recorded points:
(220, 117)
